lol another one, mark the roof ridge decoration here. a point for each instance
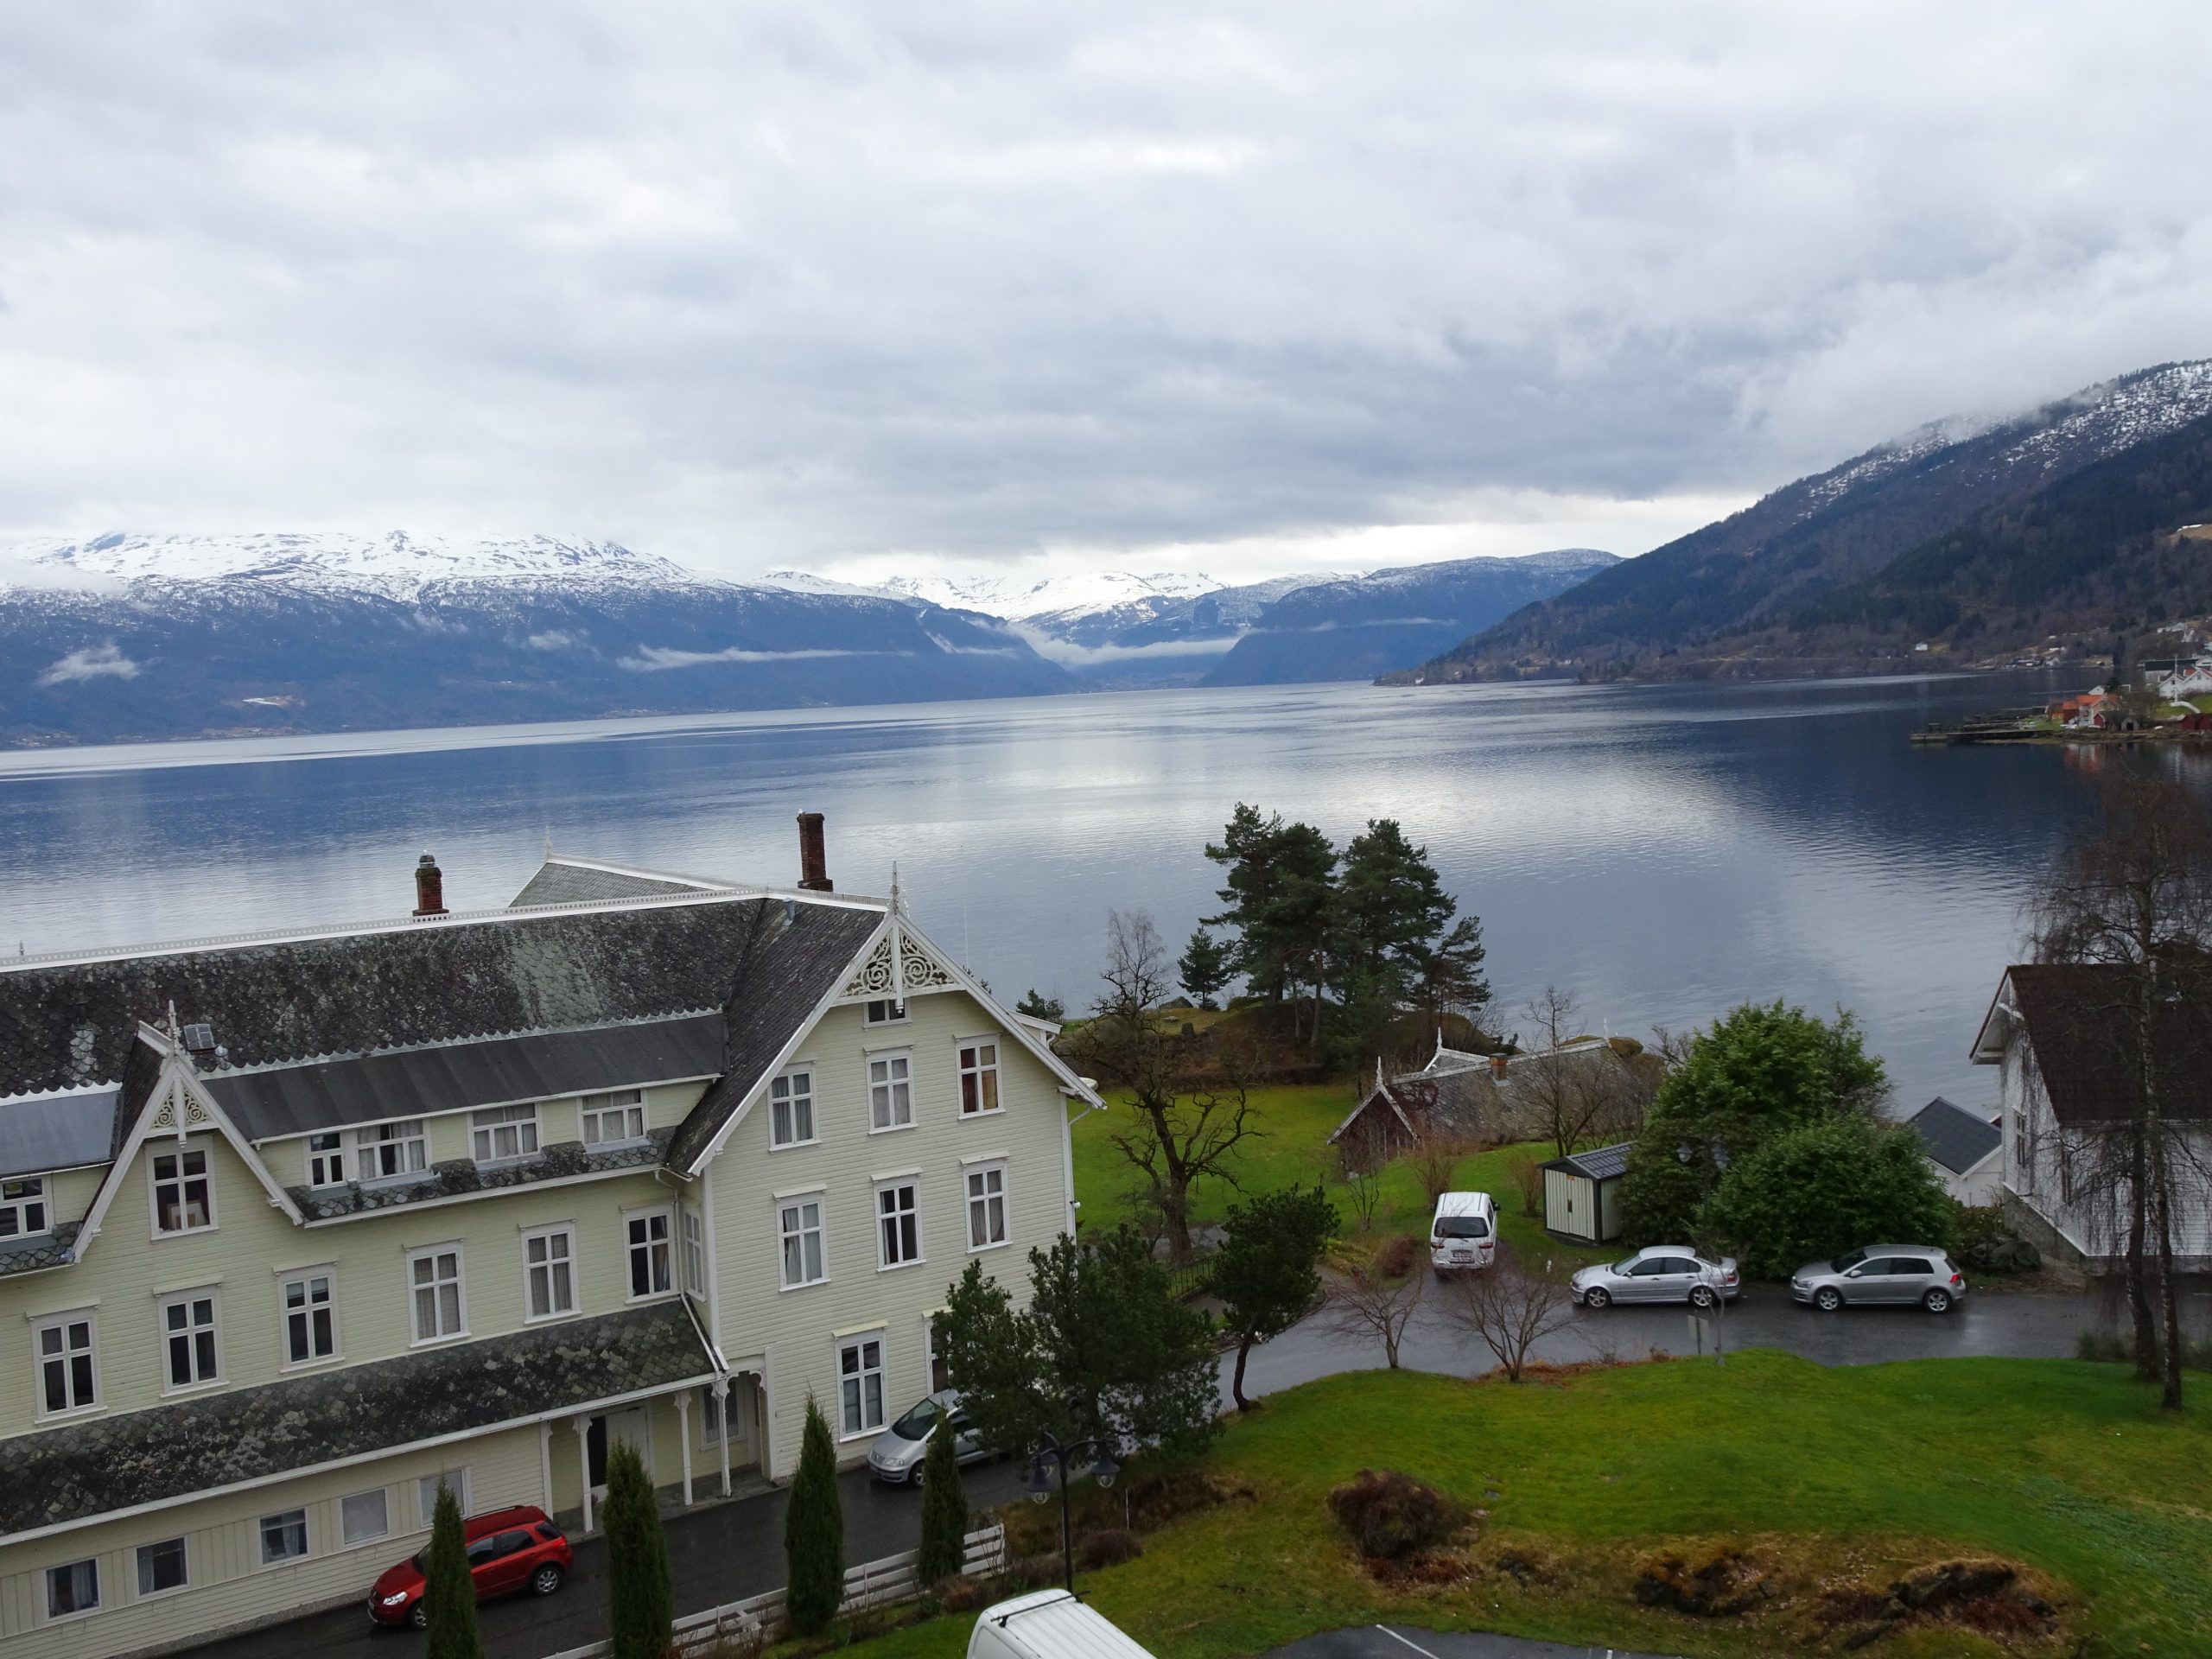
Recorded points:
(901, 962)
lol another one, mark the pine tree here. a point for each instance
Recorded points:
(944, 1510)
(641, 1599)
(449, 1591)
(814, 1531)
(1204, 968)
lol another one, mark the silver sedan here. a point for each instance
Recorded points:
(898, 1451)
(1659, 1272)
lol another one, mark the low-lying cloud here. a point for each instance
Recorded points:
(653, 659)
(91, 663)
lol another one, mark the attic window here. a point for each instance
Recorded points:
(23, 1207)
(183, 1199)
(199, 1038)
(885, 1010)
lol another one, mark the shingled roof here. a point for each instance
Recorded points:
(1955, 1137)
(569, 881)
(2076, 1023)
(91, 1469)
(70, 1025)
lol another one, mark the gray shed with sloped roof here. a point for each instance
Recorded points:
(1582, 1195)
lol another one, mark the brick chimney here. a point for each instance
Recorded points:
(813, 862)
(1498, 1066)
(429, 888)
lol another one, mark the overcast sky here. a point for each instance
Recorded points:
(866, 288)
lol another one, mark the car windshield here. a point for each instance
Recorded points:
(1622, 1267)
(916, 1424)
(1849, 1260)
(1462, 1227)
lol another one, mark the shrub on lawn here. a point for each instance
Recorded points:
(1107, 1549)
(1394, 1258)
(1391, 1516)
(1527, 1175)
(964, 1595)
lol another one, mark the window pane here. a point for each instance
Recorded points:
(365, 1516)
(73, 1589)
(160, 1566)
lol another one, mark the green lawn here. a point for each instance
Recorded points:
(1292, 1147)
(1844, 1475)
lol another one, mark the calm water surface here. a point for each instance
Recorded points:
(1663, 852)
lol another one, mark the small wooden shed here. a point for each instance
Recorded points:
(1582, 1195)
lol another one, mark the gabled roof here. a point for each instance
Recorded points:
(583, 880)
(1956, 1139)
(2075, 1021)
(80, 1471)
(1464, 1093)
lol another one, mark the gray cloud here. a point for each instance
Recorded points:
(653, 659)
(752, 287)
(91, 663)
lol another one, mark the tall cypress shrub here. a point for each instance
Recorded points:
(448, 1591)
(814, 1531)
(641, 1600)
(945, 1510)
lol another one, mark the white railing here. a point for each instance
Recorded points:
(749, 1624)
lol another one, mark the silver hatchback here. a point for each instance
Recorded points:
(898, 1451)
(1658, 1273)
(1881, 1275)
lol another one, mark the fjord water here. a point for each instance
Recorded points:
(1663, 852)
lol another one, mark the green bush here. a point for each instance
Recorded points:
(641, 1601)
(449, 1591)
(814, 1531)
(1814, 1192)
(944, 1510)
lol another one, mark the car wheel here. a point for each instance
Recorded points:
(546, 1581)
(915, 1477)
(419, 1615)
(1702, 1296)
(1597, 1296)
(1937, 1302)
(1828, 1298)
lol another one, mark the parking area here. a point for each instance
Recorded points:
(1407, 1642)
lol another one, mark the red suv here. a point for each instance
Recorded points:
(508, 1549)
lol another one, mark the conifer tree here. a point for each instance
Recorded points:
(814, 1531)
(449, 1591)
(944, 1510)
(641, 1599)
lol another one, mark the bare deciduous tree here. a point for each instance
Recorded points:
(1367, 1302)
(1362, 1188)
(1510, 1308)
(1576, 1097)
(1190, 1110)
(1436, 1160)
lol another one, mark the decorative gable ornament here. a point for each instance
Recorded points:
(900, 965)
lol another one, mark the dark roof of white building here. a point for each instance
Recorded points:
(1955, 1138)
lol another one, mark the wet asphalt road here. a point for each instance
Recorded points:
(1408, 1642)
(734, 1550)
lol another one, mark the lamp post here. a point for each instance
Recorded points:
(1686, 1153)
(1049, 1451)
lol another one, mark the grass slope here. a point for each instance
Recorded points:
(2068, 1467)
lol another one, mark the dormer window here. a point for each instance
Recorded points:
(390, 1149)
(503, 1132)
(184, 1198)
(23, 1207)
(886, 1011)
(325, 1160)
(614, 1117)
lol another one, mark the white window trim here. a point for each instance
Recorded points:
(308, 1154)
(363, 1543)
(457, 1477)
(690, 1231)
(44, 1200)
(138, 1595)
(40, 1324)
(997, 1068)
(675, 1287)
(498, 1159)
(362, 1148)
(585, 1109)
(261, 1561)
(768, 1099)
(822, 1226)
(168, 1300)
(853, 1339)
(968, 1201)
(920, 1257)
(168, 1149)
(285, 1278)
(460, 1289)
(45, 1593)
(575, 1287)
(904, 1052)
(898, 1012)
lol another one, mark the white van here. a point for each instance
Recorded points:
(1048, 1625)
(1463, 1237)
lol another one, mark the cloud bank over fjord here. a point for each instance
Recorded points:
(855, 287)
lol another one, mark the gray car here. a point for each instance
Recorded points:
(1881, 1275)
(898, 1452)
(1659, 1272)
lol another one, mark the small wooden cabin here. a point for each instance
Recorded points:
(1582, 1195)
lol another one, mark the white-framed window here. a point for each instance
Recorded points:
(800, 1221)
(284, 1537)
(886, 1011)
(385, 1150)
(191, 1351)
(695, 1252)
(161, 1568)
(860, 1385)
(615, 1116)
(439, 1308)
(68, 1364)
(326, 1158)
(500, 1133)
(890, 1091)
(897, 1224)
(646, 1237)
(710, 1420)
(549, 1267)
(184, 1196)
(790, 1107)
(986, 1206)
(23, 1207)
(365, 1516)
(979, 1077)
(426, 1493)
(72, 1588)
(310, 1309)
